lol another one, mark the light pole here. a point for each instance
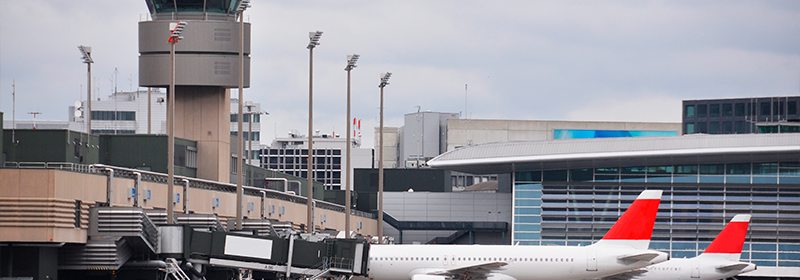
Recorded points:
(86, 55)
(239, 150)
(250, 139)
(314, 37)
(384, 83)
(351, 63)
(174, 37)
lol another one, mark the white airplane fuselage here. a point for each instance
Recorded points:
(402, 262)
(699, 268)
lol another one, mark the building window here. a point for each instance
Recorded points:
(191, 157)
(713, 111)
(702, 127)
(791, 108)
(727, 128)
(701, 111)
(689, 111)
(689, 128)
(765, 109)
(235, 118)
(713, 127)
(739, 109)
(739, 127)
(114, 116)
(727, 110)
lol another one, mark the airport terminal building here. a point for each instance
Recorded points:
(569, 192)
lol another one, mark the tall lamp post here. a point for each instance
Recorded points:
(314, 37)
(239, 150)
(250, 139)
(384, 83)
(86, 55)
(351, 63)
(174, 37)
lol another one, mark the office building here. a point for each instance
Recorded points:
(741, 115)
(290, 155)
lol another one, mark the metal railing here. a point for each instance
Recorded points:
(150, 176)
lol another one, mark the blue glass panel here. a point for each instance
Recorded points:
(632, 178)
(528, 202)
(789, 256)
(527, 219)
(685, 178)
(765, 180)
(764, 263)
(528, 186)
(763, 256)
(711, 179)
(738, 179)
(789, 247)
(659, 179)
(527, 194)
(763, 247)
(683, 254)
(550, 242)
(526, 235)
(529, 243)
(790, 180)
(791, 264)
(659, 245)
(522, 227)
(529, 211)
(682, 245)
(745, 255)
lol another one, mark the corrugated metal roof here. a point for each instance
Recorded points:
(582, 149)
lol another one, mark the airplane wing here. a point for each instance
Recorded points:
(476, 271)
(733, 266)
(630, 275)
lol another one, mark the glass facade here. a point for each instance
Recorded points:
(578, 206)
(742, 115)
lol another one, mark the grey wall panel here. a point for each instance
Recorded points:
(198, 36)
(193, 70)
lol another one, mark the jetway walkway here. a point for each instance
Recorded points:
(132, 239)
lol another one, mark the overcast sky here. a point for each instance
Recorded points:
(535, 60)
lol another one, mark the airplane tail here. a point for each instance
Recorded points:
(635, 227)
(730, 240)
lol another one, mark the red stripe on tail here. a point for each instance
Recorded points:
(637, 221)
(730, 240)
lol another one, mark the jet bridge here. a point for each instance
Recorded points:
(130, 242)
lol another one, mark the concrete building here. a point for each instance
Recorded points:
(425, 135)
(290, 155)
(742, 115)
(569, 192)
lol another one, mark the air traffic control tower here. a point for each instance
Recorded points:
(207, 67)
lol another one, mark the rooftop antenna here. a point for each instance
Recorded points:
(14, 140)
(34, 118)
(465, 101)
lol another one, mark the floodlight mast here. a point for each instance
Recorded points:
(86, 55)
(314, 41)
(244, 4)
(174, 37)
(351, 63)
(384, 82)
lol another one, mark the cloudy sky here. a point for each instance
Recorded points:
(548, 60)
